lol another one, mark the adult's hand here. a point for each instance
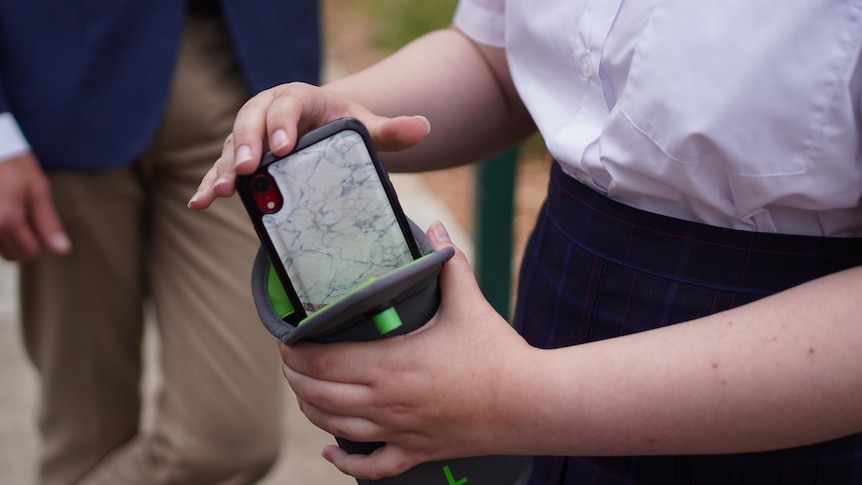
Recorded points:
(29, 222)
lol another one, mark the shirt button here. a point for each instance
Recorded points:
(587, 66)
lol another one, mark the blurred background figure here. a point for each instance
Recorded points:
(110, 113)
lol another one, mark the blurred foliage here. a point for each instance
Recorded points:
(394, 23)
(397, 22)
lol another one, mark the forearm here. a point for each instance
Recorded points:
(781, 372)
(464, 89)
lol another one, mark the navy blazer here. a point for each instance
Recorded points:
(87, 81)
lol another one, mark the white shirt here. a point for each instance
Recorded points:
(740, 113)
(12, 141)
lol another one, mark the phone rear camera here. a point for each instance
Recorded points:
(265, 193)
(261, 184)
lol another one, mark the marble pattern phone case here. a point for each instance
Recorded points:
(336, 228)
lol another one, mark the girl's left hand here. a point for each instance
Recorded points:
(445, 390)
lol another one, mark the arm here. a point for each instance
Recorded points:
(462, 88)
(780, 372)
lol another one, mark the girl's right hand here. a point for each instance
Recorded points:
(273, 120)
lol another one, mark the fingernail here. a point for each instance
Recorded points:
(439, 231)
(278, 139)
(427, 123)
(60, 243)
(242, 155)
(192, 200)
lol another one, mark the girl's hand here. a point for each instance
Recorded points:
(274, 119)
(439, 392)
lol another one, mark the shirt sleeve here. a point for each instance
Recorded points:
(482, 20)
(12, 141)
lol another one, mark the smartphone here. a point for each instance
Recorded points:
(327, 216)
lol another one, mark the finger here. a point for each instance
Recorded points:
(332, 396)
(395, 134)
(224, 182)
(299, 107)
(386, 461)
(24, 193)
(245, 146)
(48, 226)
(291, 106)
(17, 241)
(439, 238)
(353, 428)
(206, 193)
(328, 361)
(459, 290)
(204, 196)
(274, 118)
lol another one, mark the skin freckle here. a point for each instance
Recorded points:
(810, 350)
(715, 365)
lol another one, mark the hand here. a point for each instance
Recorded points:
(29, 222)
(275, 117)
(448, 389)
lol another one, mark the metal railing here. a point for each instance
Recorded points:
(493, 228)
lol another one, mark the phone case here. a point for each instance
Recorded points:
(328, 216)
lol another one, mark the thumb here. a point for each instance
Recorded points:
(456, 271)
(439, 238)
(399, 133)
(48, 226)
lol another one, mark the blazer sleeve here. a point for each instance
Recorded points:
(276, 41)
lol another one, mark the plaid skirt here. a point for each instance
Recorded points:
(597, 269)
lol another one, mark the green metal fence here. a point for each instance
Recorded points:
(493, 228)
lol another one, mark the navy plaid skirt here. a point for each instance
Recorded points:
(597, 269)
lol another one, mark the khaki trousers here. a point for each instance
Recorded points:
(136, 244)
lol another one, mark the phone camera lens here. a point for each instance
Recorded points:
(261, 184)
